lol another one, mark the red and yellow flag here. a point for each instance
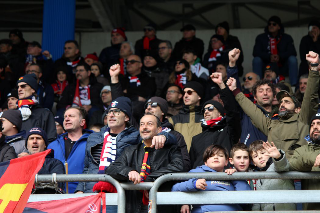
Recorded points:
(17, 179)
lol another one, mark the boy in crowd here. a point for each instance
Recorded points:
(215, 158)
(239, 158)
(266, 157)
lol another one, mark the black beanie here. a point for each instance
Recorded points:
(196, 86)
(219, 37)
(316, 116)
(122, 103)
(37, 131)
(16, 32)
(275, 19)
(30, 79)
(14, 116)
(224, 25)
(163, 104)
(314, 23)
(217, 105)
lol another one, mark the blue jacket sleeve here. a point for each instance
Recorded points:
(171, 139)
(233, 72)
(241, 185)
(186, 186)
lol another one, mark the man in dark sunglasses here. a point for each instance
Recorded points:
(249, 80)
(274, 46)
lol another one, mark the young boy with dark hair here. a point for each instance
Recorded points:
(239, 157)
(266, 157)
(215, 158)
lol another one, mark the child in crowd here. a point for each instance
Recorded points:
(215, 158)
(266, 157)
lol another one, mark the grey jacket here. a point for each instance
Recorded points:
(281, 165)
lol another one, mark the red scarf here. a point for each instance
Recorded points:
(25, 102)
(181, 80)
(273, 46)
(134, 81)
(59, 86)
(214, 121)
(107, 144)
(76, 99)
(121, 66)
(74, 63)
(216, 53)
(146, 43)
(144, 172)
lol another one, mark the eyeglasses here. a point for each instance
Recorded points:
(132, 62)
(214, 40)
(210, 109)
(153, 105)
(22, 86)
(147, 29)
(189, 92)
(249, 78)
(32, 71)
(172, 91)
(115, 112)
(272, 23)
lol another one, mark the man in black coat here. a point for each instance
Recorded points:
(274, 46)
(221, 126)
(6, 151)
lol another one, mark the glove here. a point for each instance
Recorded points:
(102, 186)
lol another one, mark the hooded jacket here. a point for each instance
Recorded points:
(17, 141)
(225, 133)
(76, 157)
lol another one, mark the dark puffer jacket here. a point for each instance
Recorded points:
(6, 151)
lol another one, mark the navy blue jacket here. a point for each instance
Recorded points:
(189, 186)
(46, 95)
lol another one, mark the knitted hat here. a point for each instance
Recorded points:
(120, 31)
(30, 79)
(188, 27)
(216, 104)
(35, 44)
(275, 19)
(105, 88)
(163, 104)
(122, 103)
(150, 26)
(314, 117)
(219, 37)
(314, 23)
(59, 119)
(272, 67)
(93, 56)
(14, 116)
(196, 86)
(13, 93)
(224, 25)
(16, 32)
(37, 131)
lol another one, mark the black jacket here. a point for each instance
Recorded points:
(68, 94)
(43, 118)
(225, 133)
(162, 161)
(6, 151)
(195, 43)
(153, 44)
(109, 56)
(307, 45)
(285, 46)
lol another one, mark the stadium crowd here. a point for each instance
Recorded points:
(138, 111)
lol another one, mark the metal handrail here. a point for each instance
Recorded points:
(224, 176)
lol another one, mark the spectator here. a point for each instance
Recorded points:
(149, 41)
(70, 59)
(188, 121)
(182, 74)
(91, 58)
(151, 67)
(190, 56)
(37, 141)
(44, 59)
(220, 125)
(230, 42)
(5, 86)
(110, 55)
(12, 99)
(6, 151)
(189, 40)
(19, 45)
(217, 53)
(61, 83)
(59, 124)
(96, 127)
(156, 162)
(270, 74)
(106, 97)
(45, 93)
(276, 47)
(305, 159)
(309, 42)
(174, 99)
(85, 92)
(11, 124)
(70, 147)
(125, 51)
(165, 52)
(159, 107)
(96, 69)
(137, 85)
(250, 79)
(281, 130)
(34, 115)
(303, 80)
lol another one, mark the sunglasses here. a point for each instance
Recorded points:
(272, 23)
(189, 92)
(210, 109)
(249, 78)
(153, 105)
(22, 86)
(115, 112)
(132, 62)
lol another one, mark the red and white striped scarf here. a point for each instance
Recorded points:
(216, 53)
(134, 81)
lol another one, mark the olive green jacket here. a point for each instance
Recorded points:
(288, 134)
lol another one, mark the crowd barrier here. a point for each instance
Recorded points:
(201, 197)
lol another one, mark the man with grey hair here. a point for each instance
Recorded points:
(303, 80)
(126, 50)
(165, 54)
(249, 80)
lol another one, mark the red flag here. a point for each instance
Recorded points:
(88, 204)
(17, 179)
